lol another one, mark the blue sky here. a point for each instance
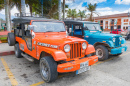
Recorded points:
(104, 7)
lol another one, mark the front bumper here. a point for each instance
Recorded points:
(75, 65)
(118, 50)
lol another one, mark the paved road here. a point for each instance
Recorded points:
(113, 72)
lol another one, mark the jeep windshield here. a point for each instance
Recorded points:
(92, 27)
(41, 26)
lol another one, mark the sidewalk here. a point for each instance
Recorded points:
(5, 49)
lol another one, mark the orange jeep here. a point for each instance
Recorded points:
(46, 40)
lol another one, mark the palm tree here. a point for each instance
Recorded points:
(69, 12)
(74, 14)
(64, 8)
(91, 8)
(30, 4)
(82, 14)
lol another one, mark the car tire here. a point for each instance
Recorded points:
(102, 52)
(48, 69)
(17, 51)
(11, 39)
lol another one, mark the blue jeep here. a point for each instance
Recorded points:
(104, 43)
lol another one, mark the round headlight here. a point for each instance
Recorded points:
(120, 38)
(114, 39)
(84, 45)
(67, 48)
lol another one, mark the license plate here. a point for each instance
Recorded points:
(83, 67)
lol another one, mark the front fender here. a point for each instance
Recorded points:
(110, 43)
(57, 55)
(90, 49)
(123, 41)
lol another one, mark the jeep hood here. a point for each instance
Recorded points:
(58, 39)
(102, 35)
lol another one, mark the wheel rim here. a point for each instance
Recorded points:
(99, 53)
(16, 51)
(44, 70)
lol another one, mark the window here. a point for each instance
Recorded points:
(119, 27)
(41, 26)
(78, 27)
(112, 21)
(92, 26)
(127, 27)
(106, 22)
(125, 20)
(101, 21)
(123, 27)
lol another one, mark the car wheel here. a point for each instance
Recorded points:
(102, 52)
(11, 39)
(48, 69)
(17, 51)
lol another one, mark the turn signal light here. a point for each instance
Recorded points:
(68, 55)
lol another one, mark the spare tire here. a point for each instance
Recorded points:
(11, 39)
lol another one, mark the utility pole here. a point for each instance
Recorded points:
(7, 15)
(59, 8)
(63, 9)
(22, 8)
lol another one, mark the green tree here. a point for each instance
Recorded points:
(1, 4)
(30, 4)
(69, 12)
(81, 14)
(91, 8)
(74, 13)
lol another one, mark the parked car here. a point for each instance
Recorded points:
(104, 43)
(117, 31)
(45, 40)
(120, 31)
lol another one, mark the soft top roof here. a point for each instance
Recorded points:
(78, 22)
(28, 19)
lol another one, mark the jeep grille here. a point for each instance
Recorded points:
(117, 42)
(75, 50)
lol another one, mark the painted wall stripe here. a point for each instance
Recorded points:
(9, 73)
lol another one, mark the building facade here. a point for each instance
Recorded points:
(112, 22)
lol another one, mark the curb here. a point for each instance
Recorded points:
(7, 53)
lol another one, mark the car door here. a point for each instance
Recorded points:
(78, 30)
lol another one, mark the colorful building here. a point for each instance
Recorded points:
(112, 22)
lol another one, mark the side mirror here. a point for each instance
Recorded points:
(31, 27)
(70, 30)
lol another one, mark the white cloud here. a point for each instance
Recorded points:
(110, 12)
(126, 2)
(79, 1)
(103, 9)
(95, 1)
